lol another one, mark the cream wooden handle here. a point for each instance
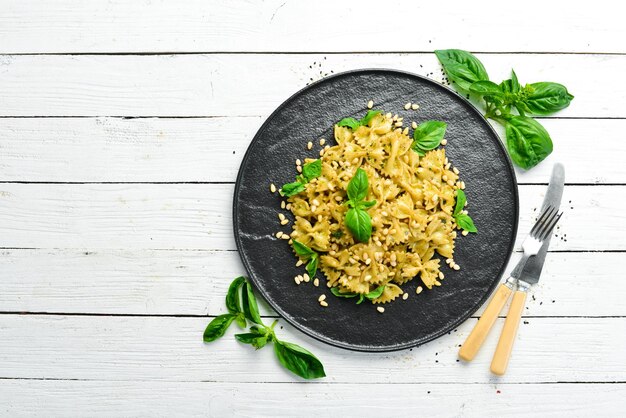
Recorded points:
(505, 344)
(479, 333)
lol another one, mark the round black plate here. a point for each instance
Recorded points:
(310, 114)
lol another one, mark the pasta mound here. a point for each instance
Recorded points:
(411, 220)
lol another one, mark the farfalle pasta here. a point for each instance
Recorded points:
(412, 219)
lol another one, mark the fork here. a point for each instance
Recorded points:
(531, 245)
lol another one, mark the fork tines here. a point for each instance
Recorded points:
(545, 224)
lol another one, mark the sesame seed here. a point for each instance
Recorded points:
(309, 145)
(324, 303)
(321, 298)
(405, 296)
(279, 234)
(415, 106)
(464, 233)
(407, 106)
(272, 188)
(456, 267)
(316, 282)
(414, 125)
(282, 204)
(370, 104)
(380, 309)
(298, 162)
(456, 170)
(322, 142)
(418, 290)
(281, 216)
(299, 168)
(284, 222)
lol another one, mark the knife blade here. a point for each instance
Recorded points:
(532, 270)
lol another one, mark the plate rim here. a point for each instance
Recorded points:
(320, 337)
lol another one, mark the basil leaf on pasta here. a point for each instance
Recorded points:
(360, 224)
(465, 222)
(366, 205)
(376, 292)
(368, 117)
(357, 188)
(312, 170)
(291, 189)
(302, 250)
(428, 135)
(311, 266)
(349, 123)
(335, 291)
(460, 202)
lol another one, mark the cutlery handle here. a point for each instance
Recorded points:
(505, 344)
(476, 338)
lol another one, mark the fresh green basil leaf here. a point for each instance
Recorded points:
(376, 292)
(428, 135)
(311, 266)
(515, 86)
(232, 296)
(465, 222)
(340, 294)
(250, 306)
(258, 330)
(241, 320)
(527, 141)
(462, 67)
(350, 123)
(486, 88)
(545, 98)
(217, 327)
(302, 250)
(312, 170)
(365, 205)
(298, 360)
(361, 299)
(460, 202)
(360, 224)
(291, 189)
(253, 339)
(358, 186)
(369, 116)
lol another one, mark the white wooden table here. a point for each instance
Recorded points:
(122, 126)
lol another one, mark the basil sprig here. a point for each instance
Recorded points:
(371, 295)
(428, 136)
(309, 255)
(309, 172)
(464, 221)
(243, 305)
(527, 141)
(354, 124)
(358, 221)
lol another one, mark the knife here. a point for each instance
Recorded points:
(530, 274)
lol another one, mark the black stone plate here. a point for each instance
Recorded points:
(310, 114)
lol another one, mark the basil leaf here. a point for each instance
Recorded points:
(217, 327)
(515, 86)
(365, 205)
(462, 67)
(250, 306)
(361, 299)
(298, 360)
(241, 320)
(368, 117)
(486, 88)
(253, 339)
(527, 141)
(291, 189)
(232, 296)
(339, 294)
(465, 222)
(312, 170)
(376, 292)
(357, 188)
(311, 266)
(428, 135)
(302, 250)
(460, 202)
(545, 98)
(360, 224)
(350, 123)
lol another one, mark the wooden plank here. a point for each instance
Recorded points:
(277, 25)
(147, 348)
(198, 216)
(210, 149)
(254, 85)
(37, 398)
(195, 282)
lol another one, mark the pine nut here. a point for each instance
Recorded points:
(418, 290)
(415, 106)
(309, 145)
(407, 106)
(380, 309)
(405, 296)
(272, 188)
(370, 104)
(414, 125)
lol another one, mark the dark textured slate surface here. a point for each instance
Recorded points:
(473, 147)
